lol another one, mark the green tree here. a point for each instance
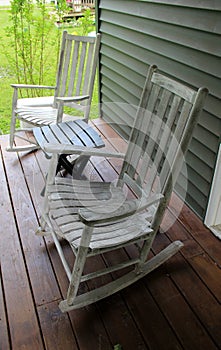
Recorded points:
(86, 22)
(30, 35)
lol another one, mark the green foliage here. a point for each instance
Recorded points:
(60, 10)
(118, 347)
(86, 22)
(6, 77)
(28, 33)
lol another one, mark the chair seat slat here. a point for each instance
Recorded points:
(94, 136)
(76, 133)
(86, 141)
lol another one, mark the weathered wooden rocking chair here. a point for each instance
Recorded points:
(96, 217)
(74, 88)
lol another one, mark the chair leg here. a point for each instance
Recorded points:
(12, 147)
(44, 220)
(122, 282)
(79, 265)
(74, 168)
(63, 162)
(78, 166)
(41, 231)
(12, 133)
(13, 120)
(147, 244)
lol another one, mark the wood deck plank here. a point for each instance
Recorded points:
(84, 321)
(175, 307)
(199, 298)
(179, 312)
(149, 318)
(209, 272)
(36, 258)
(4, 338)
(56, 328)
(117, 320)
(24, 329)
(199, 232)
(201, 302)
(139, 295)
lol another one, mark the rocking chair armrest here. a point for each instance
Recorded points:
(30, 86)
(72, 98)
(128, 208)
(80, 150)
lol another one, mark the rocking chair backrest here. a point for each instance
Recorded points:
(77, 65)
(163, 127)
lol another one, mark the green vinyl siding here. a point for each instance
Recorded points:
(183, 39)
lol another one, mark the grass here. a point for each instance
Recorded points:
(7, 77)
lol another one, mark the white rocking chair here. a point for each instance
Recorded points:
(97, 217)
(74, 88)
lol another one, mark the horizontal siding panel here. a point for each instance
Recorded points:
(201, 4)
(197, 207)
(212, 106)
(114, 116)
(199, 183)
(203, 152)
(134, 82)
(210, 122)
(181, 38)
(199, 177)
(187, 37)
(193, 189)
(201, 135)
(196, 163)
(202, 186)
(124, 111)
(171, 50)
(191, 58)
(188, 17)
(134, 61)
(124, 95)
(109, 89)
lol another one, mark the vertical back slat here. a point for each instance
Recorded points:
(153, 114)
(60, 66)
(175, 141)
(153, 136)
(139, 131)
(65, 68)
(87, 71)
(81, 68)
(166, 134)
(74, 63)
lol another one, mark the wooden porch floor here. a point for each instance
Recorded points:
(175, 307)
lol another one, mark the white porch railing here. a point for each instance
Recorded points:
(213, 214)
(79, 5)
